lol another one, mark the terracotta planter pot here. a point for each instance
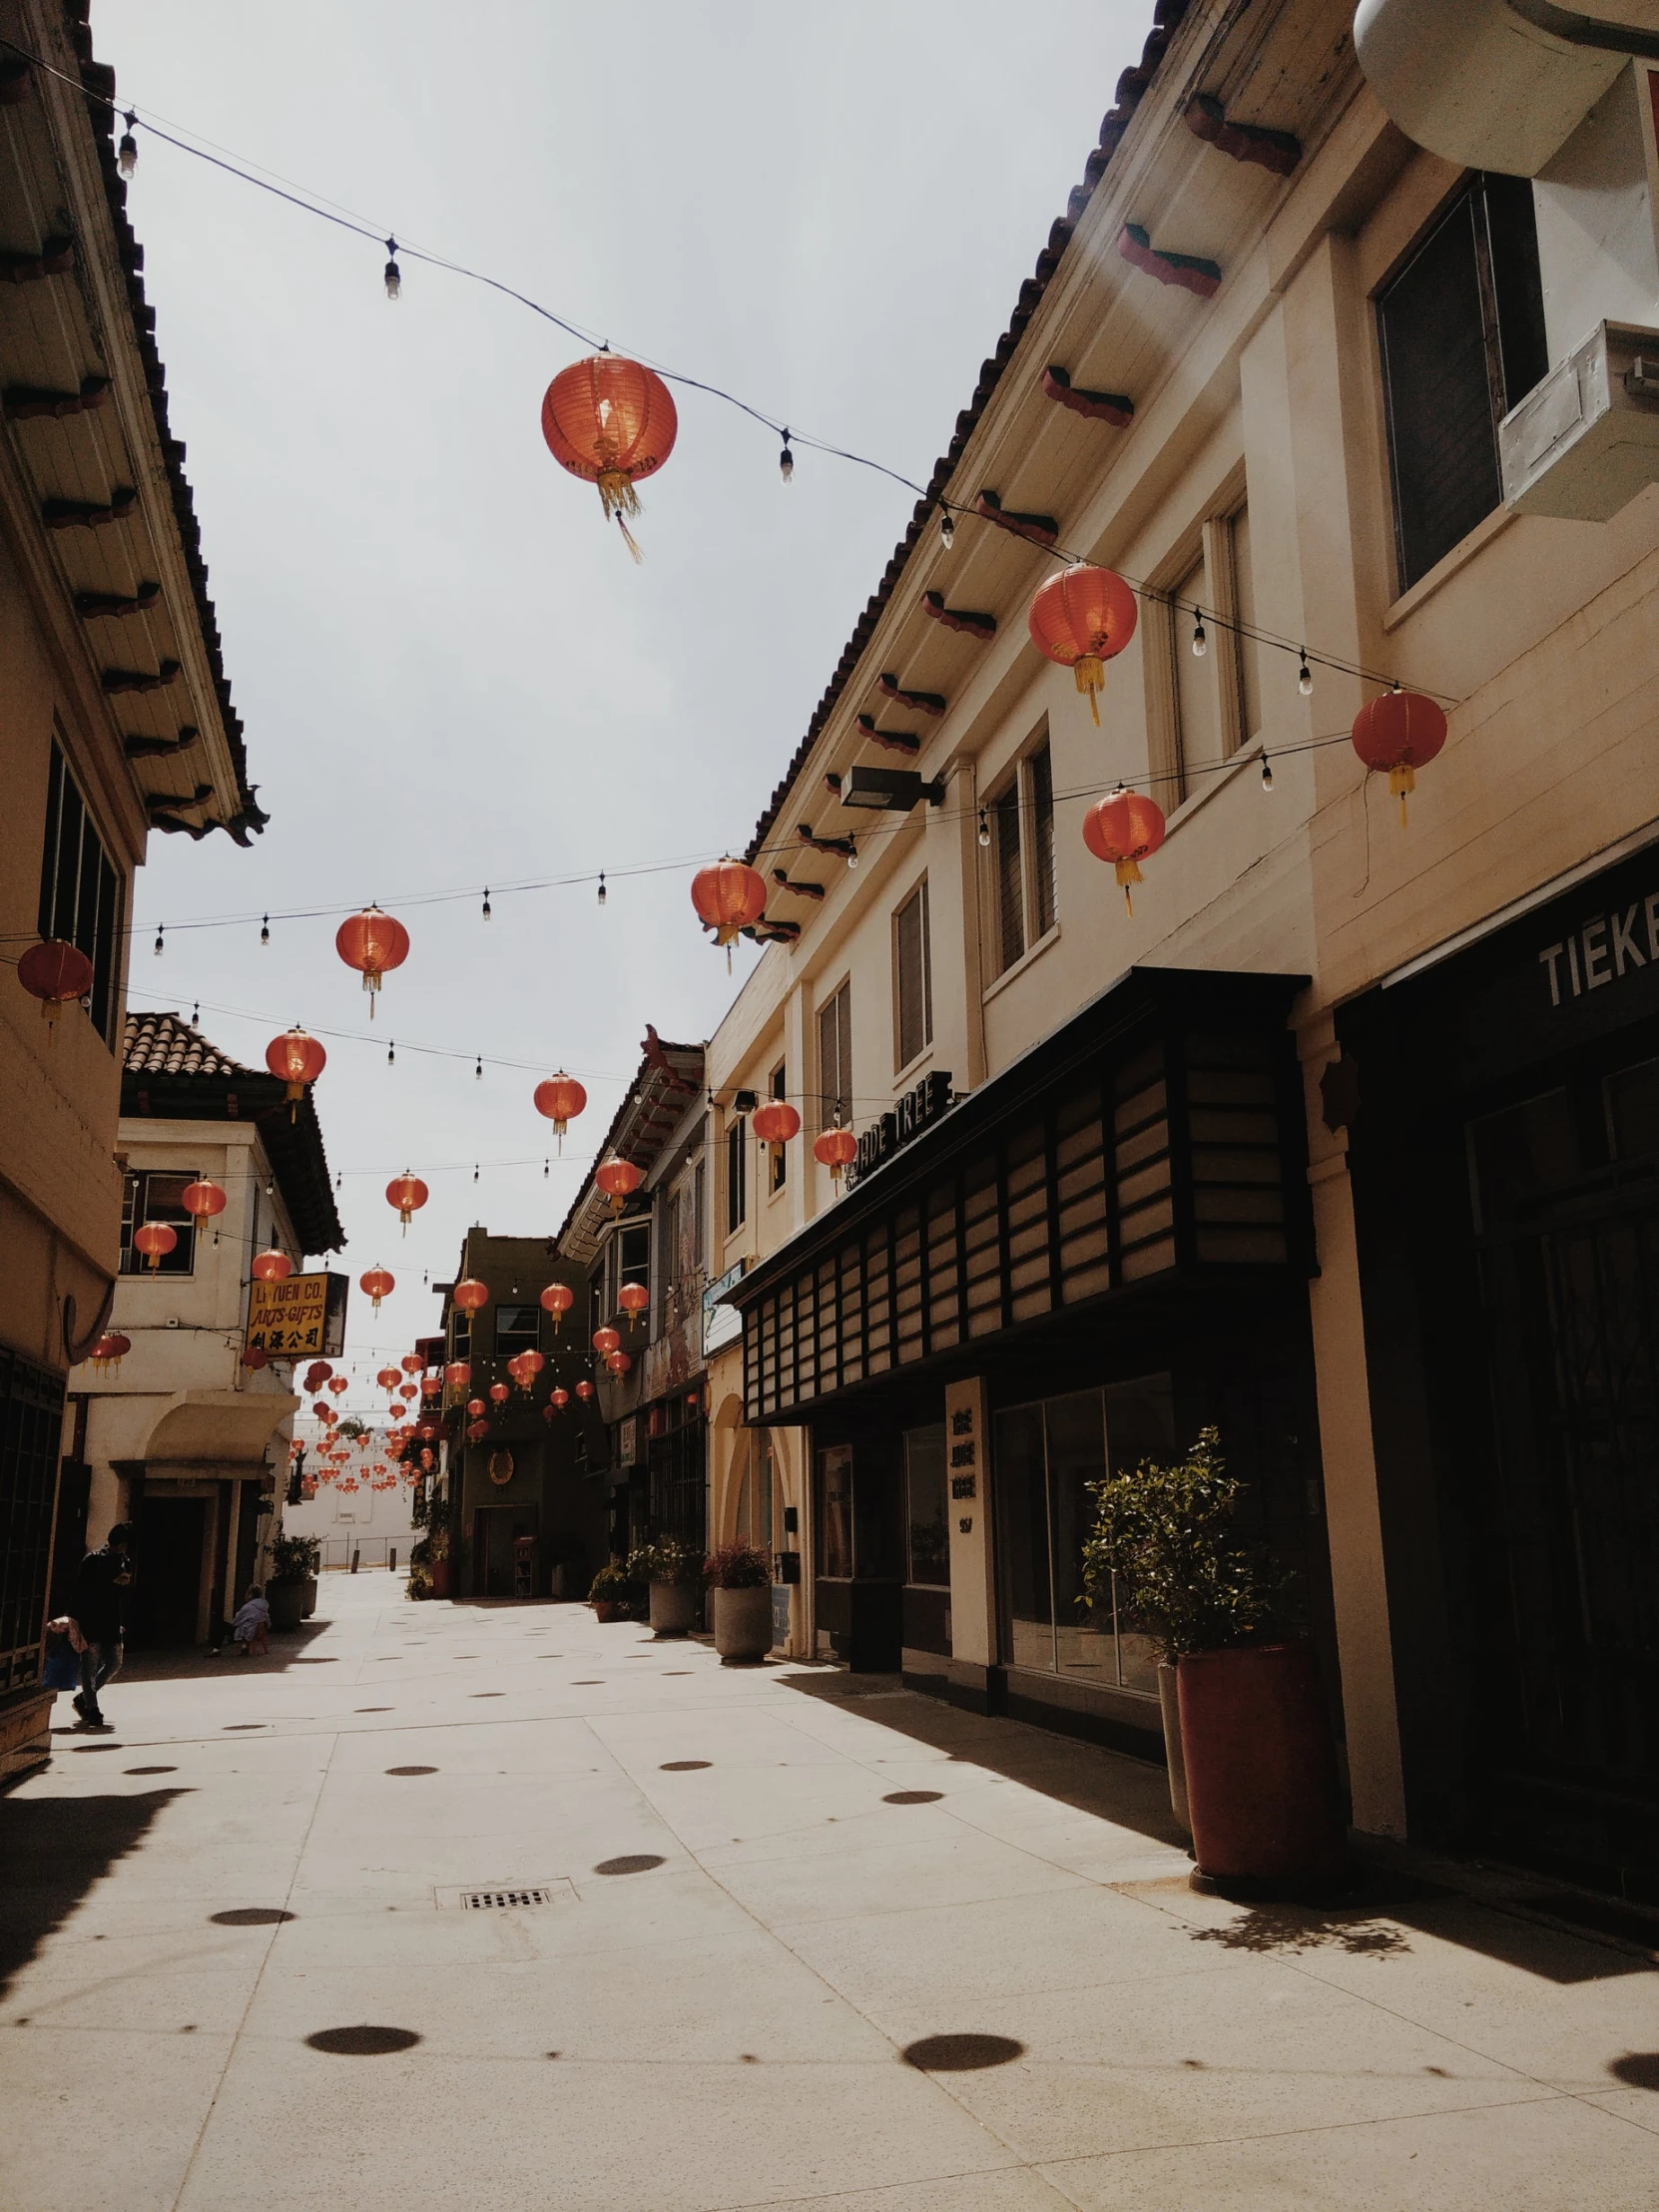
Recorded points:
(1169, 1702)
(604, 1608)
(309, 1587)
(287, 1604)
(440, 1571)
(1261, 1771)
(742, 1625)
(673, 1608)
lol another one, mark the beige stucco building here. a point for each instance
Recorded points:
(1276, 1149)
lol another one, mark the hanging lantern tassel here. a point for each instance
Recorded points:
(1400, 780)
(1090, 676)
(617, 493)
(1128, 871)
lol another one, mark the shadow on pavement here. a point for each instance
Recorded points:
(290, 1648)
(52, 1851)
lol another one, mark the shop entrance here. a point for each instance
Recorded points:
(494, 1571)
(166, 1577)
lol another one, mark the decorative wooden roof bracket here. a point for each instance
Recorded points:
(55, 258)
(135, 679)
(895, 740)
(842, 848)
(1114, 407)
(1276, 151)
(765, 932)
(87, 514)
(1188, 271)
(919, 702)
(800, 890)
(91, 605)
(832, 782)
(962, 619)
(151, 749)
(1041, 530)
(29, 402)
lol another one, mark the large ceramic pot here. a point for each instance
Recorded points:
(1261, 1773)
(1169, 1702)
(604, 1609)
(673, 1608)
(742, 1625)
(440, 1571)
(310, 1588)
(287, 1604)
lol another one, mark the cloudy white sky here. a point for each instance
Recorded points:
(449, 670)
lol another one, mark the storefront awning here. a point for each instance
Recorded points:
(203, 1429)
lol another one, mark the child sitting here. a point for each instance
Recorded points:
(250, 1628)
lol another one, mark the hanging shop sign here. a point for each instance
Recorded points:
(915, 1111)
(722, 1324)
(302, 1315)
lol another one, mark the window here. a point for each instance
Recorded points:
(1214, 660)
(1198, 721)
(835, 1549)
(737, 1168)
(158, 1196)
(632, 1247)
(1461, 331)
(516, 1330)
(1246, 651)
(929, 1529)
(779, 1167)
(1022, 857)
(80, 892)
(913, 978)
(699, 1253)
(834, 1060)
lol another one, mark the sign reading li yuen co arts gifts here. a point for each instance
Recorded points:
(303, 1315)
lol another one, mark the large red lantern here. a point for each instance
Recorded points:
(318, 1374)
(612, 423)
(557, 1300)
(294, 1059)
(633, 1298)
(373, 942)
(338, 1385)
(561, 1098)
(1082, 618)
(202, 1200)
(408, 1193)
(408, 1390)
(108, 1352)
(155, 1238)
(557, 1401)
(55, 973)
(617, 1362)
(837, 1150)
(729, 897)
(1124, 829)
(1399, 730)
(775, 1122)
(605, 1341)
(270, 1267)
(411, 1362)
(499, 1393)
(470, 1294)
(478, 1431)
(584, 1391)
(476, 1409)
(255, 1357)
(528, 1366)
(432, 1385)
(376, 1284)
(618, 1179)
(387, 1379)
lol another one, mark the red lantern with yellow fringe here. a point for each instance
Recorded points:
(1399, 730)
(611, 421)
(1123, 830)
(1081, 619)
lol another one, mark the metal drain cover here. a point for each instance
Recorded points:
(499, 1897)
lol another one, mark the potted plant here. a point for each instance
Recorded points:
(740, 1578)
(615, 1596)
(294, 1563)
(567, 1555)
(1252, 1735)
(673, 1573)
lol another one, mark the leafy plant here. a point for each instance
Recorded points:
(614, 1585)
(1165, 1534)
(295, 1558)
(351, 1427)
(737, 1566)
(668, 1560)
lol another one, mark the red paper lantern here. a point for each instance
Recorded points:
(1399, 730)
(775, 1122)
(730, 896)
(605, 1341)
(618, 1179)
(499, 1393)
(612, 423)
(427, 1432)
(318, 1374)
(515, 1369)
(476, 1408)
(478, 1431)
(322, 1409)
(374, 943)
(458, 1373)
(254, 1356)
(155, 1238)
(411, 1362)
(432, 1385)
(557, 1300)
(426, 1459)
(529, 1364)
(408, 1390)
(339, 1384)
(294, 1059)
(633, 1298)
(1082, 618)
(584, 1391)
(376, 1284)
(270, 1267)
(408, 1193)
(1124, 829)
(617, 1362)
(202, 1200)
(558, 1401)
(561, 1098)
(387, 1379)
(107, 1354)
(55, 973)
(837, 1150)
(470, 1294)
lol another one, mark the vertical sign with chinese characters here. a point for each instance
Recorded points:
(968, 1463)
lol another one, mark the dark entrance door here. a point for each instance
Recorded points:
(166, 1581)
(860, 1581)
(494, 1572)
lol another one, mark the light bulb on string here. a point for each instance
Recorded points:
(486, 903)
(126, 151)
(392, 1054)
(394, 274)
(546, 1168)
(159, 945)
(475, 1171)
(1201, 644)
(851, 852)
(947, 529)
(984, 829)
(1267, 774)
(602, 887)
(785, 460)
(1305, 676)
(478, 1069)
(264, 929)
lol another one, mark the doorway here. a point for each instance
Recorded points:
(166, 1580)
(493, 1566)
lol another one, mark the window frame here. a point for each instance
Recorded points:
(1033, 812)
(838, 1005)
(136, 1210)
(777, 1168)
(1211, 540)
(919, 898)
(96, 915)
(737, 1173)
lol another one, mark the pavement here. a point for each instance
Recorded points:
(802, 1939)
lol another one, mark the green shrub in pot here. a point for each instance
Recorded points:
(673, 1573)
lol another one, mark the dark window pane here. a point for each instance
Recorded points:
(158, 1196)
(1511, 228)
(836, 1507)
(1020, 1491)
(49, 849)
(1633, 1110)
(1042, 838)
(925, 1505)
(915, 1011)
(1521, 1155)
(737, 1162)
(1010, 897)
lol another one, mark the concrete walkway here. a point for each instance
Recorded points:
(800, 1946)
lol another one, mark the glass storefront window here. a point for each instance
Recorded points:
(1046, 1456)
(925, 1508)
(834, 1465)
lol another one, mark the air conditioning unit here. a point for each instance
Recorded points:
(1585, 440)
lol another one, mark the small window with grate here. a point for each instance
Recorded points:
(81, 895)
(158, 1196)
(517, 1328)
(912, 979)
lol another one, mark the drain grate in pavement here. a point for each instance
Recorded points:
(482, 1900)
(508, 1897)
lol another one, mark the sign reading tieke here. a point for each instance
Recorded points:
(301, 1315)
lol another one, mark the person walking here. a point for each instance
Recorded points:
(95, 1603)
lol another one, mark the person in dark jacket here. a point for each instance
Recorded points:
(95, 1605)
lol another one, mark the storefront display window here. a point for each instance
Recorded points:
(925, 1508)
(835, 1505)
